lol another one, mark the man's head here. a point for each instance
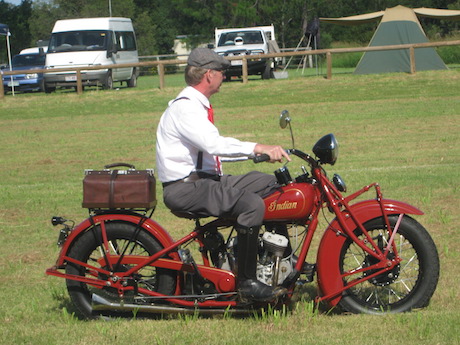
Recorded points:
(205, 70)
(207, 59)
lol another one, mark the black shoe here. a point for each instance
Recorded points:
(254, 290)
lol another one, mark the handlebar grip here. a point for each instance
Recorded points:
(113, 165)
(261, 158)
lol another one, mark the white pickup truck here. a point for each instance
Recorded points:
(247, 41)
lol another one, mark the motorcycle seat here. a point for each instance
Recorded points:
(189, 215)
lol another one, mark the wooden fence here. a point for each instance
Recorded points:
(162, 63)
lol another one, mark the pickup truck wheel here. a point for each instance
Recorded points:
(267, 73)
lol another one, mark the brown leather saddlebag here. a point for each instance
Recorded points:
(113, 188)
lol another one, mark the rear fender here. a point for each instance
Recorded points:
(328, 258)
(149, 225)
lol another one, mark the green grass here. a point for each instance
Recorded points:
(398, 129)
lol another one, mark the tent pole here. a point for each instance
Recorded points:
(290, 59)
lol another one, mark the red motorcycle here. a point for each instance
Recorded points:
(373, 256)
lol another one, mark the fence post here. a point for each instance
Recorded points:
(245, 70)
(161, 75)
(79, 83)
(412, 60)
(329, 65)
(2, 90)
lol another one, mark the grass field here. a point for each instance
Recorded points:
(398, 129)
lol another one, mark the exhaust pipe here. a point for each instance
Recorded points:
(101, 304)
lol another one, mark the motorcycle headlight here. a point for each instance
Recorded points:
(327, 149)
(339, 183)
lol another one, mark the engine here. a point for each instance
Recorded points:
(271, 266)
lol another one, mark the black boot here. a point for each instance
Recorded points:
(249, 288)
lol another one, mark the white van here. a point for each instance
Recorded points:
(91, 42)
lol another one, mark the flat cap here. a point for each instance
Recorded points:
(207, 58)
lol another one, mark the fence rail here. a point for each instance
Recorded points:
(162, 63)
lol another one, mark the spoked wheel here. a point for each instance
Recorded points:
(122, 238)
(409, 285)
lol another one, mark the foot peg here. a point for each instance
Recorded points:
(309, 270)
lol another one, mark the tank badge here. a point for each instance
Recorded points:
(286, 205)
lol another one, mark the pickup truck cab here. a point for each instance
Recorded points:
(247, 41)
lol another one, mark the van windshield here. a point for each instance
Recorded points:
(78, 41)
(242, 37)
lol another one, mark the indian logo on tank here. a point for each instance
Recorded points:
(286, 205)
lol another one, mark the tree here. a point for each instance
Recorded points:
(17, 19)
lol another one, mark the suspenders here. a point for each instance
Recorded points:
(199, 162)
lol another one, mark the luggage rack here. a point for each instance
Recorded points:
(145, 212)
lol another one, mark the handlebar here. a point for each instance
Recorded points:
(261, 158)
(306, 157)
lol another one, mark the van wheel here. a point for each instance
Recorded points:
(49, 89)
(108, 84)
(132, 82)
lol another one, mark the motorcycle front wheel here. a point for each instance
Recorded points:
(122, 238)
(409, 285)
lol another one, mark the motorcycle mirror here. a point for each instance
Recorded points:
(285, 120)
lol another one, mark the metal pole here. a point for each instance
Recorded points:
(9, 59)
(110, 8)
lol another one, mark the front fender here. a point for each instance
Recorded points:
(328, 257)
(149, 225)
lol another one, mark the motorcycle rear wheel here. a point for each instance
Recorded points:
(88, 249)
(407, 286)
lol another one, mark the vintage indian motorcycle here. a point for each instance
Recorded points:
(373, 256)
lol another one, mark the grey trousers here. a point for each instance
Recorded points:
(238, 197)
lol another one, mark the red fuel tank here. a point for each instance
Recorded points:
(294, 201)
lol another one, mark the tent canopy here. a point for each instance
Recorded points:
(398, 25)
(398, 13)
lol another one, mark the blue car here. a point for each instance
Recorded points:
(27, 81)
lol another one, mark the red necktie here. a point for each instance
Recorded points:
(211, 119)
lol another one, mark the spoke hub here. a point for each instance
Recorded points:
(386, 278)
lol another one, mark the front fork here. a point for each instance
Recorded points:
(338, 203)
(347, 220)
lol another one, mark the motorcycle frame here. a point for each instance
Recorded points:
(348, 218)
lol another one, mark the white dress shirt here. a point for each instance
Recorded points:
(184, 130)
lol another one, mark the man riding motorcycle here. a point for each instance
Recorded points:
(189, 150)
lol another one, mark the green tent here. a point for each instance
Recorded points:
(399, 25)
